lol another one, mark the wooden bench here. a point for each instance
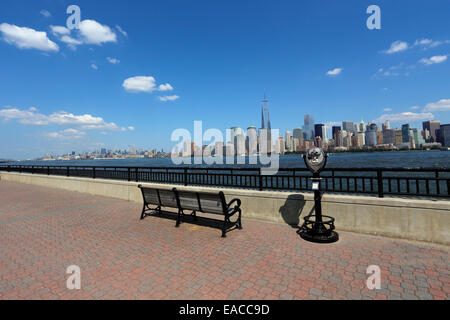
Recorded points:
(205, 202)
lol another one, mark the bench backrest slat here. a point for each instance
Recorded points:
(151, 196)
(188, 200)
(211, 203)
(168, 198)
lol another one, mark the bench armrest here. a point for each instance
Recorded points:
(234, 200)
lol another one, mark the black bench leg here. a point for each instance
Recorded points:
(224, 228)
(143, 212)
(194, 214)
(239, 221)
(180, 212)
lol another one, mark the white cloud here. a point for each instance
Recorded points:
(429, 43)
(330, 124)
(27, 38)
(62, 118)
(121, 31)
(433, 60)
(441, 105)
(397, 46)
(71, 41)
(93, 32)
(113, 60)
(334, 72)
(415, 108)
(165, 87)
(168, 98)
(67, 134)
(59, 30)
(94, 66)
(45, 13)
(140, 84)
(387, 109)
(404, 117)
(131, 128)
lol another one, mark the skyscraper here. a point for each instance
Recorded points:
(320, 130)
(334, 130)
(432, 126)
(445, 135)
(348, 126)
(265, 120)
(252, 141)
(405, 132)
(308, 127)
(298, 134)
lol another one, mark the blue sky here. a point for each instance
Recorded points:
(103, 85)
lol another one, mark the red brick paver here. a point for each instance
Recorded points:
(43, 231)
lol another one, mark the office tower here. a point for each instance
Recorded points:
(134, 149)
(187, 148)
(218, 149)
(389, 136)
(239, 146)
(308, 127)
(235, 133)
(361, 138)
(288, 141)
(348, 126)
(398, 137)
(334, 130)
(362, 127)
(418, 138)
(387, 124)
(279, 146)
(265, 120)
(298, 134)
(371, 137)
(431, 126)
(265, 141)
(339, 140)
(252, 141)
(445, 135)
(405, 133)
(347, 141)
(318, 130)
(295, 144)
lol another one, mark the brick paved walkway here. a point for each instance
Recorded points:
(43, 231)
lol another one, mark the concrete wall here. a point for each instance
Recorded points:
(408, 218)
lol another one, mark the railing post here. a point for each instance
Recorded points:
(129, 174)
(67, 171)
(32, 169)
(9, 168)
(136, 170)
(380, 183)
(185, 177)
(260, 180)
(93, 172)
(438, 191)
(48, 170)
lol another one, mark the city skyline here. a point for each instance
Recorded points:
(136, 78)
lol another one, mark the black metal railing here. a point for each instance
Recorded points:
(427, 182)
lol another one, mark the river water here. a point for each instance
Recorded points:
(411, 159)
